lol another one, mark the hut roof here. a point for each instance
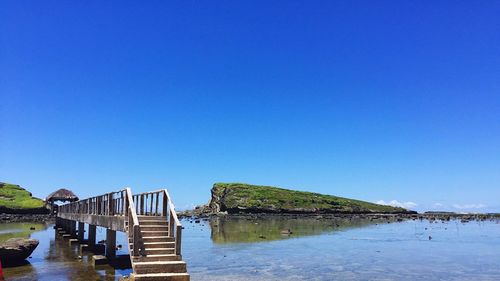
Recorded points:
(62, 195)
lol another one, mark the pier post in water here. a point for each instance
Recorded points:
(110, 243)
(66, 226)
(72, 228)
(92, 235)
(81, 231)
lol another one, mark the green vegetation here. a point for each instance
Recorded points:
(239, 197)
(15, 197)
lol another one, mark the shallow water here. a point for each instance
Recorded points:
(356, 250)
(54, 259)
(317, 249)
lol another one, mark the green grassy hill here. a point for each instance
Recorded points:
(15, 199)
(245, 198)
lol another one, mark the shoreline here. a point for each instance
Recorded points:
(13, 218)
(191, 214)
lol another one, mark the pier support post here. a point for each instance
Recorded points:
(81, 231)
(110, 244)
(90, 244)
(72, 228)
(92, 232)
(66, 226)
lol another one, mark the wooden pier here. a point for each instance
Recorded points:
(150, 221)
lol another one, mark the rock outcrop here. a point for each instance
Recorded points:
(16, 250)
(16, 200)
(234, 198)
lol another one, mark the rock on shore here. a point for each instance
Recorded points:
(16, 250)
(11, 218)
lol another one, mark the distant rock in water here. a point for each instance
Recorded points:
(16, 250)
(244, 198)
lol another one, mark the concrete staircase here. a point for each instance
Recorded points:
(158, 261)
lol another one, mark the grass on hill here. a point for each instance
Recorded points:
(239, 195)
(15, 197)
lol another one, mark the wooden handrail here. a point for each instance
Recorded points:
(134, 229)
(150, 192)
(109, 204)
(131, 206)
(172, 209)
(174, 219)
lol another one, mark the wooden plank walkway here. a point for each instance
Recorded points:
(150, 221)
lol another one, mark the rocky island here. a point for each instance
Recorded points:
(17, 200)
(18, 204)
(239, 198)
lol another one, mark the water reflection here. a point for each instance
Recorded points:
(22, 272)
(342, 249)
(20, 229)
(251, 230)
(328, 249)
(54, 258)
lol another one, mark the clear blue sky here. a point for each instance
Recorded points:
(376, 100)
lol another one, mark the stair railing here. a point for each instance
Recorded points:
(174, 222)
(134, 228)
(158, 203)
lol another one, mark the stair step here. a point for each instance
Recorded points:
(147, 258)
(152, 245)
(160, 267)
(158, 251)
(154, 233)
(154, 239)
(162, 277)
(146, 218)
(148, 239)
(154, 227)
(154, 222)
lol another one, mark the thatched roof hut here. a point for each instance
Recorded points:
(62, 195)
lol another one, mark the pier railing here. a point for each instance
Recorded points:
(158, 203)
(109, 204)
(121, 210)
